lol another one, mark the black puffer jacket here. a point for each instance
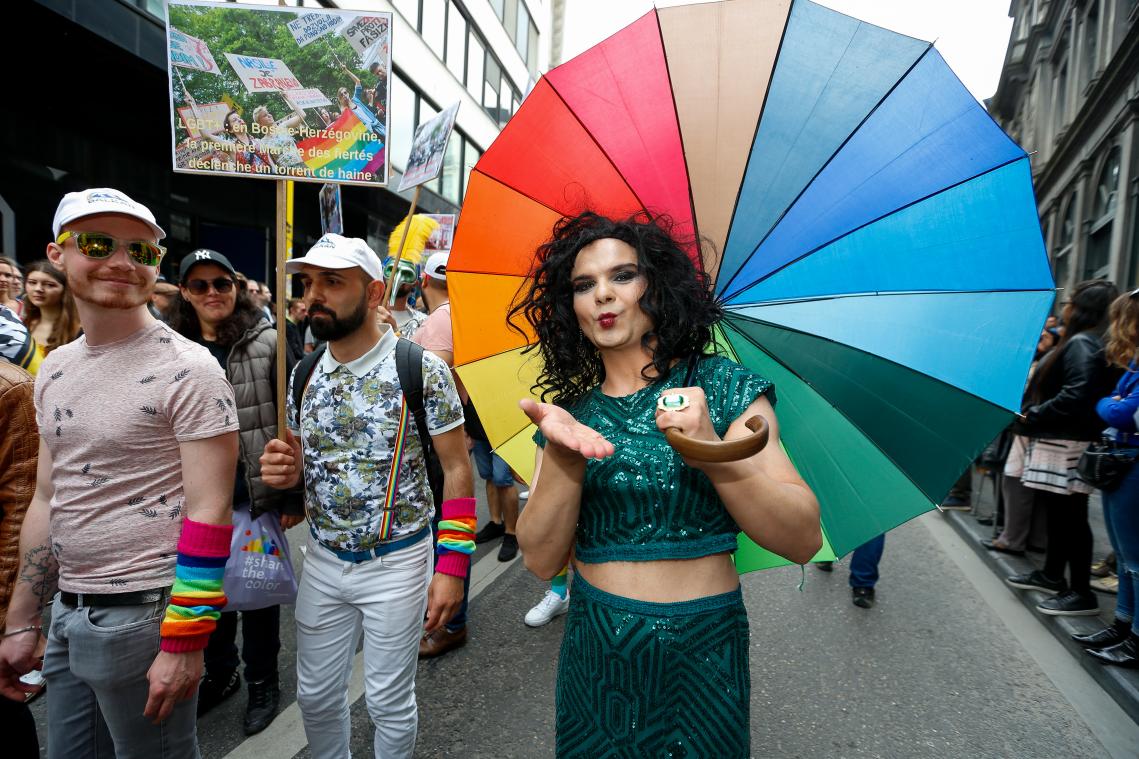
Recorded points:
(1071, 391)
(250, 368)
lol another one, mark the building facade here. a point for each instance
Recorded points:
(96, 113)
(1069, 94)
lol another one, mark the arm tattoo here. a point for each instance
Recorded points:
(41, 571)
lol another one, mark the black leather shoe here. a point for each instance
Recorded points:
(862, 597)
(509, 548)
(1125, 654)
(1108, 636)
(213, 690)
(824, 566)
(1037, 580)
(264, 699)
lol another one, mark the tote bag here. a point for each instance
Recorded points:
(259, 572)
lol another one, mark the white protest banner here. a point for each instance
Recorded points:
(441, 238)
(313, 26)
(263, 74)
(364, 32)
(191, 53)
(427, 148)
(310, 97)
(211, 117)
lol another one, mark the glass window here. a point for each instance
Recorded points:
(452, 164)
(434, 25)
(426, 111)
(510, 18)
(1091, 38)
(402, 112)
(1062, 93)
(505, 92)
(410, 10)
(1108, 188)
(456, 41)
(532, 51)
(497, 5)
(522, 31)
(1068, 224)
(476, 56)
(490, 91)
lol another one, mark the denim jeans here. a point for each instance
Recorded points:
(385, 599)
(95, 665)
(1121, 516)
(864, 563)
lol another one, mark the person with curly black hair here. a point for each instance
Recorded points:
(656, 619)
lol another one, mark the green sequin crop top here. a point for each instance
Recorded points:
(643, 503)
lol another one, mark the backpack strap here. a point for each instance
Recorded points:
(301, 376)
(409, 367)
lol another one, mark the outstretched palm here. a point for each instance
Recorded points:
(561, 429)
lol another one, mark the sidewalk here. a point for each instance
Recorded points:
(1121, 684)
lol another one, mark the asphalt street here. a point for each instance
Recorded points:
(947, 664)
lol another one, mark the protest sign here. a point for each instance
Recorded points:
(313, 26)
(300, 110)
(190, 53)
(441, 237)
(310, 97)
(365, 32)
(263, 74)
(331, 215)
(427, 148)
(210, 117)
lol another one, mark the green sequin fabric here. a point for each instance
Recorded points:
(643, 503)
(639, 679)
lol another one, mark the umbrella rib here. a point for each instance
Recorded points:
(827, 163)
(854, 424)
(600, 148)
(773, 325)
(886, 215)
(732, 307)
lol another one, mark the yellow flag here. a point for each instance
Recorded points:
(225, 98)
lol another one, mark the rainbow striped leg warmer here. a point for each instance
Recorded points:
(456, 541)
(198, 596)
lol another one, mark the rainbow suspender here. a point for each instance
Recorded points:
(393, 476)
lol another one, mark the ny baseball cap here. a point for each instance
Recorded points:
(203, 256)
(436, 266)
(77, 205)
(335, 251)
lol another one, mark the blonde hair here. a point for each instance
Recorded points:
(259, 111)
(1123, 335)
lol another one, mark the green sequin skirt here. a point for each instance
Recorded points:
(639, 679)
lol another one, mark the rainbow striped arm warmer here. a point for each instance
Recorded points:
(197, 597)
(456, 541)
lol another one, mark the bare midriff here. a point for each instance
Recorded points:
(663, 581)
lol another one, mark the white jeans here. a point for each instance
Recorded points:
(387, 598)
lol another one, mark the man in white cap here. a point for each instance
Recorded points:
(131, 512)
(369, 561)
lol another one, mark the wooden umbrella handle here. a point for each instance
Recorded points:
(725, 450)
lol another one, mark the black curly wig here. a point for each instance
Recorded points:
(678, 301)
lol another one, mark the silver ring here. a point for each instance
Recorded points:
(672, 402)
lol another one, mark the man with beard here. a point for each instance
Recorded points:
(369, 559)
(131, 511)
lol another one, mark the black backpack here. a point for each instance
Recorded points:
(409, 368)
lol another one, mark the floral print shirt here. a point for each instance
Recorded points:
(349, 419)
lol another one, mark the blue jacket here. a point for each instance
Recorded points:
(1120, 415)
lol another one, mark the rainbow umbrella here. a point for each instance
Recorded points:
(881, 259)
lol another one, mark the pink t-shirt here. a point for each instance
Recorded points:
(112, 416)
(435, 335)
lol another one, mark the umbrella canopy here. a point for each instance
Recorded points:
(872, 233)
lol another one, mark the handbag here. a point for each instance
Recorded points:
(1106, 463)
(259, 572)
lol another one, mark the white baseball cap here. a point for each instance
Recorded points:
(436, 266)
(77, 205)
(335, 251)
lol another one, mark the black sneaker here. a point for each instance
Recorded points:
(509, 548)
(862, 597)
(1070, 604)
(214, 690)
(1037, 580)
(824, 566)
(491, 531)
(264, 698)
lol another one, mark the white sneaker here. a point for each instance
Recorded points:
(552, 605)
(523, 495)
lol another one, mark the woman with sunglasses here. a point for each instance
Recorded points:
(656, 617)
(1059, 421)
(211, 310)
(49, 309)
(1118, 644)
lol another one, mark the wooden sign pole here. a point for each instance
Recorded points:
(282, 299)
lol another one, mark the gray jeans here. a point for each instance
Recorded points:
(96, 664)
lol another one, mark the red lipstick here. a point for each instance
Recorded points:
(607, 320)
